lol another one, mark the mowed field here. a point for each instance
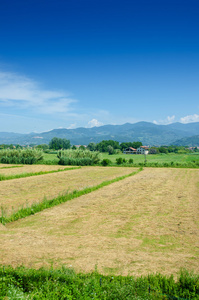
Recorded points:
(145, 223)
(20, 192)
(6, 169)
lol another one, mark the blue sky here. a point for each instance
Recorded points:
(84, 63)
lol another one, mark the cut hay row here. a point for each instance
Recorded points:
(14, 170)
(38, 207)
(142, 224)
(24, 175)
(10, 166)
(25, 191)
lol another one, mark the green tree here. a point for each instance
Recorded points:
(102, 146)
(57, 144)
(110, 149)
(42, 146)
(91, 147)
(137, 144)
(163, 149)
(126, 145)
(153, 150)
(82, 147)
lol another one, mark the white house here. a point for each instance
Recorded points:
(143, 150)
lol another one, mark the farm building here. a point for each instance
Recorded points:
(130, 150)
(143, 150)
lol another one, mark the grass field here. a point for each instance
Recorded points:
(151, 158)
(142, 224)
(159, 158)
(24, 191)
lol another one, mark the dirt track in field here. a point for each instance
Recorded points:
(142, 224)
(22, 191)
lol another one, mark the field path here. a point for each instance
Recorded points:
(142, 224)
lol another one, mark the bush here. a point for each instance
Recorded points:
(24, 156)
(78, 157)
(86, 161)
(119, 160)
(130, 161)
(106, 162)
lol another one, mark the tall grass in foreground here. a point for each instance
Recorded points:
(23, 175)
(64, 283)
(37, 207)
(20, 156)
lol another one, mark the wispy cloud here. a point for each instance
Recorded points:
(166, 121)
(24, 93)
(190, 118)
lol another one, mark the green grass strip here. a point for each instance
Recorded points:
(37, 207)
(64, 283)
(23, 175)
(11, 167)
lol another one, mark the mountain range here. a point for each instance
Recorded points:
(145, 132)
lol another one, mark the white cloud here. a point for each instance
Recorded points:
(24, 93)
(170, 119)
(94, 123)
(166, 121)
(190, 118)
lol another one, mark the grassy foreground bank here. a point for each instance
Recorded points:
(24, 283)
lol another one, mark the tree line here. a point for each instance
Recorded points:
(110, 146)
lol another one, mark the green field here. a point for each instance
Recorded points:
(159, 158)
(151, 158)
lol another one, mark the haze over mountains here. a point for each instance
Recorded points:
(148, 133)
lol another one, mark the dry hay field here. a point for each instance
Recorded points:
(20, 192)
(6, 169)
(145, 223)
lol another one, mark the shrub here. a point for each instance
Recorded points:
(110, 149)
(24, 156)
(119, 160)
(106, 162)
(118, 151)
(86, 161)
(130, 161)
(78, 157)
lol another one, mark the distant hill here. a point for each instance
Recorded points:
(192, 141)
(147, 133)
